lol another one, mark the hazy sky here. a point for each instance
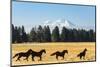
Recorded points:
(31, 14)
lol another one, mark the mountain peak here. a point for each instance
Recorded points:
(60, 23)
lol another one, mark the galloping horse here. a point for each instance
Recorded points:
(38, 54)
(82, 54)
(23, 54)
(57, 53)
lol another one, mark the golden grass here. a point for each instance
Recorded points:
(73, 48)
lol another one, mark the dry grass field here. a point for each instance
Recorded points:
(73, 48)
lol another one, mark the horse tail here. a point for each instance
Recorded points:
(15, 55)
(78, 55)
(53, 54)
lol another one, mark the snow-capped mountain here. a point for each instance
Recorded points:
(65, 23)
(60, 23)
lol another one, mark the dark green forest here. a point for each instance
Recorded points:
(43, 34)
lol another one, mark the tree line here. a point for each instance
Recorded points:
(43, 34)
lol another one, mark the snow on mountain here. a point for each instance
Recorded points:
(65, 23)
(60, 23)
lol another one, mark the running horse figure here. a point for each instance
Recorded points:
(38, 54)
(23, 54)
(82, 54)
(61, 54)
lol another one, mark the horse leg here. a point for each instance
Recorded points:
(18, 58)
(32, 58)
(84, 57)
(56, 57)
(40, 58)
(63, 58)
(26, 58)
(80, 57)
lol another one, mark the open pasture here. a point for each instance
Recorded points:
(74, 48)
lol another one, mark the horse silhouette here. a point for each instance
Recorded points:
(82, 54)
(61, 54)
(23, 54)
(38, 54)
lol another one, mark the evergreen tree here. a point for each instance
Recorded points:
(13, 34)
(91, 35)
(40, 34)
(64, 34)
(24, 35)
(94, 36)
(17, 35)
(33, 36)
(70, 35)
(55, 34)
(46, 34)
(75, 35)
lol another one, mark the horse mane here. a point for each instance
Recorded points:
(43, 50)
(85, 50)
(29, 50)
(65, 51)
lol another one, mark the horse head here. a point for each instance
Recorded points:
(43, 51)
(85, 49)
(65, 51)
(30, 51)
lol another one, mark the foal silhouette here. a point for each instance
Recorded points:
(61, 54)
(82, 54)
(23, 54)
(38, 54)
